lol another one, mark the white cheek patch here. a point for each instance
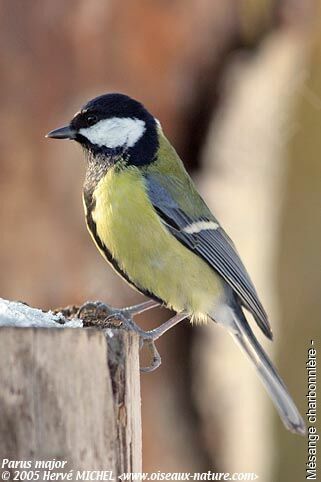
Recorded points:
(115, 132)
(200, 226)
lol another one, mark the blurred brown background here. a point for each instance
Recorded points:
(237, 88)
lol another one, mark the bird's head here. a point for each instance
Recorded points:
(113, 126)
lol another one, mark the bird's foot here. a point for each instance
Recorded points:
(156, 360)
(103, 312)
(148, 338)
(107, 314)
(94, 308)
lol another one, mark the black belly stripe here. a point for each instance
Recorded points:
(93, 229)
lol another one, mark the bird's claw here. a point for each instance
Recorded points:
(156, 358)
(145, 338)
(119, 316)
(96, 306)
(125, 317)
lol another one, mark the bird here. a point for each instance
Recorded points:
(148, 221)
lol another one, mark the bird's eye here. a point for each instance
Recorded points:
(91, 119)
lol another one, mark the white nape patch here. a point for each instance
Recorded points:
(200, 226)
(115, 132)
(159, 125)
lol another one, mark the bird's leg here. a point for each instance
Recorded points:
(141, 307)
(148, 338)
(125, 315)
(150, 335)
(160, 330)
(117, 312)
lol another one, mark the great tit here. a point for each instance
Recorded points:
(149, 222)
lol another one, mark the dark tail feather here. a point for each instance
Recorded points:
(245, 338)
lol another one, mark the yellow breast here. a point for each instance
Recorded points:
(153, 259)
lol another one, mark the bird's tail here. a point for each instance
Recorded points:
(246, 340)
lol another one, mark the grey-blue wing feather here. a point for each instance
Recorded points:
(213, 245)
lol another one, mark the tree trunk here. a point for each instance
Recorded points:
(71, 395)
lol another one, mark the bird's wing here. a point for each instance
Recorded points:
(203, 235)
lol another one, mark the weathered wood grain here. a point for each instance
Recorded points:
(60, 398)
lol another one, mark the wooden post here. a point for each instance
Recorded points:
(70, 395)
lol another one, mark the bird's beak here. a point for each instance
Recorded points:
(65, 132)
